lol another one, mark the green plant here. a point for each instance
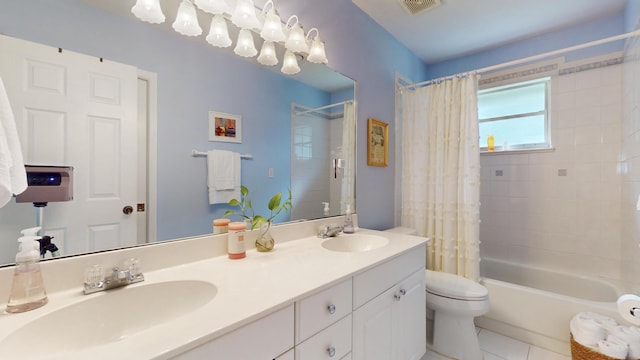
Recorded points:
(246, 211)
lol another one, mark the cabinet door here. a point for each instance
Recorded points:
(289, 355)
(393, 325)
(372, 328)
(409, 318)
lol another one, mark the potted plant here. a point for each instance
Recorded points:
(264, 240)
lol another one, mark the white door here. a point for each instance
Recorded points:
(372, 328)
(77, 110)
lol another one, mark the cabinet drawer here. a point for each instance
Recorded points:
(265, 338)
(373, 282)
(320, 310)
(333, 342)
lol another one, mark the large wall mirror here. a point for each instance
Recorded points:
(167, 84)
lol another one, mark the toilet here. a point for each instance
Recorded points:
(452, 304)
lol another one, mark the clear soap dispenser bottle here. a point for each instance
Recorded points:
(348, 221)
(27, 291)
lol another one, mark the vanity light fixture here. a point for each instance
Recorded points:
(316, 50)
(149, 11)
(243, 14)
(290, 63)
(186, 22)
(245, 46)
(218, 32)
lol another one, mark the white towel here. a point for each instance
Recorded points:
(13, 177)
(614, 348)
(223, 176)
(586, 330)
(631, 336)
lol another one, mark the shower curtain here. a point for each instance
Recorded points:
(441, 172)
(348, 152)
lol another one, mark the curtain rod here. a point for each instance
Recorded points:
(530, 58)
(319, 108)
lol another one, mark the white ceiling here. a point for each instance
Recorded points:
(462, 27)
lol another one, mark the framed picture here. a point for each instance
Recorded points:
(225, 127)
(377, 143)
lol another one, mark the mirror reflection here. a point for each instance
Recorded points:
(170, 83)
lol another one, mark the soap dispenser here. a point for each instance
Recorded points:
(27, 291)
(348, 221)
(327, 211)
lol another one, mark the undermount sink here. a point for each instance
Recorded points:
(106, 317)
(355, 242)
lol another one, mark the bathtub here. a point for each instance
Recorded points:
(535, 305)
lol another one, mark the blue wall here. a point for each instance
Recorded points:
(194, 79)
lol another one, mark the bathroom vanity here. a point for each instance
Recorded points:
(357, 296)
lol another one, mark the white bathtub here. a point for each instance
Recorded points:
(535, 305)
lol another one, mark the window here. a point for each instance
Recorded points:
(303, 142)
(516, 115)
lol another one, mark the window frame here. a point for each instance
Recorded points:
(546, 145)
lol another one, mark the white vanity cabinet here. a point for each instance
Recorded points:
(264, 339)
(376, 314)
(391, 325)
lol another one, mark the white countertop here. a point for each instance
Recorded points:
(247, 290)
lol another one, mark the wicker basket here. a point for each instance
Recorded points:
(581, 352)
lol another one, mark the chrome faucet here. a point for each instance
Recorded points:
(329, 231)
(95, 279)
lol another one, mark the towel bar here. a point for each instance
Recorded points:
(204, 153)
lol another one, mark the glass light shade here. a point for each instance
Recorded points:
(149, 11)
(244, 15)
(218, 32)
(296, 41)
(268, 54)
(290, 63)
(213, 6)
(272, 28)
(316, 52)
(245, 46)
(187, 21)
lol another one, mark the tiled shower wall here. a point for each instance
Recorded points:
(631, 180)
(561, 209)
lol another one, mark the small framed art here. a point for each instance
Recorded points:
(225, 127)
(377, 143)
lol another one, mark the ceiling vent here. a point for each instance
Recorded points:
(415, 7)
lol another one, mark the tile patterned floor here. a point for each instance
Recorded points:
(498, 347)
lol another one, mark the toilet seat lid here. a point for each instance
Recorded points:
(454, 286)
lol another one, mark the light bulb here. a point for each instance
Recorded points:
(213, 6)
(290, 63)
(244, 15)
(316, 52)
(218, 32)
(244, 46)
(296, 41)
(272, 28)
(149, 11)
(187, 21)
(268, 54)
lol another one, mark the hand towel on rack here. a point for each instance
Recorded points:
(223, 176)
(13, 177)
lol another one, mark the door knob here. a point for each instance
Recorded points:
(127, 209)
